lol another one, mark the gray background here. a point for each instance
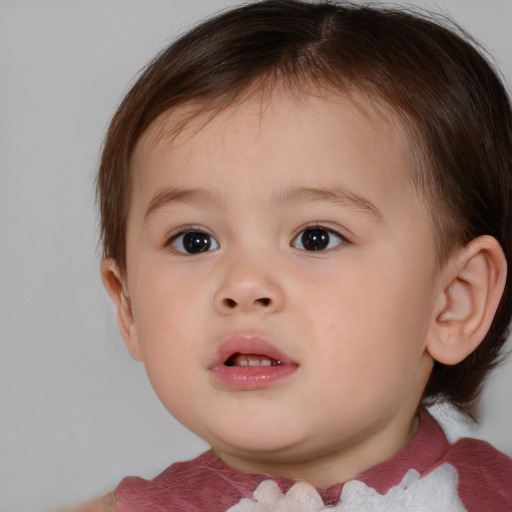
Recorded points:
(76, 413)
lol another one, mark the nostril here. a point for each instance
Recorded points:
(230, 303)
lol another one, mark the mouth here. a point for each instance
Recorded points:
(249, 363)
(253, 360)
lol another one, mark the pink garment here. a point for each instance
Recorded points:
(482, 481)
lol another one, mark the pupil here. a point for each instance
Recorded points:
(195, 242)
(315, 239)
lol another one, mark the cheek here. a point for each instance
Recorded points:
(165, 298)
(168, 326)
(369, 322)
(368, 365)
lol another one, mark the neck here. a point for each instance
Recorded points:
(336, 466)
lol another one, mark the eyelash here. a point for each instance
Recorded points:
(177, 240)
(323, 240)
(203, 241)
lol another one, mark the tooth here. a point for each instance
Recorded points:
(266, 362)
(254, 363)
(243, 363)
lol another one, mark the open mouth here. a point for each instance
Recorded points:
(249, 363)
(252, 360)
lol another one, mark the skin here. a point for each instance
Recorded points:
(360, 318)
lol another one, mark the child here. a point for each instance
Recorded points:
(306, 224)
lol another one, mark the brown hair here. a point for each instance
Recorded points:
(451, 101)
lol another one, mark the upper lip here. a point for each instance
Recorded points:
(248, 344)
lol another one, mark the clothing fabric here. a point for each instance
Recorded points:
(429, 475)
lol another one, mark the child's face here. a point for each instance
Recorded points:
(285, 230)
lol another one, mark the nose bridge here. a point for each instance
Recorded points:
(249, 281)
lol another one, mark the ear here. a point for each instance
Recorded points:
(116, 287)
(472, 283)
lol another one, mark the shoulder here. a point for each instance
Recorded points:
(106, 503)
(485, 474)
(204, 483)
(481, 457)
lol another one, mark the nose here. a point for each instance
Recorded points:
(249, 286)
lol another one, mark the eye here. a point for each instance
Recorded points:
(317, 239)
(194, 242)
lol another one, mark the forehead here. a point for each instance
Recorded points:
(269, 140)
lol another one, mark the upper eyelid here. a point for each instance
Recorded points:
(342, 240)
(183, 230)
(321, 225)
(175, 234)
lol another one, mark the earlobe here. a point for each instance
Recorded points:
(115, 285)
(472, 283)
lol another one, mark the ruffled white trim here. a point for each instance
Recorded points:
(436, 492)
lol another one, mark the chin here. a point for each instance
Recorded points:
(256, 443)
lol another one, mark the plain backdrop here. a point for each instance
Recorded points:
(76, 413)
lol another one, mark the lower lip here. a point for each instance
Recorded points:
(249, 378)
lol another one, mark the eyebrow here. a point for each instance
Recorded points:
(171, 196)
(337, 196)
(290, 196)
